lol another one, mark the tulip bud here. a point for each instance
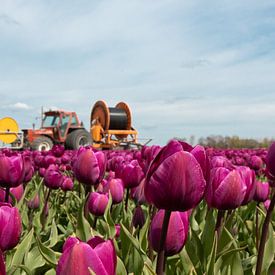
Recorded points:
(176, 235)
(67, 184)
(138, 217)
(89, 166)
(175, 179)
(34, 203)
(97, 203)
(117, 226)
(97, 255)
(10, 226)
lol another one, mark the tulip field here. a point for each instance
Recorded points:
(175, 209)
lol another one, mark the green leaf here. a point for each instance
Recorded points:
(54, 234)
(83, 228)
(208, 234)
(109, 220)
(120, 268)
(50, 272)
(269, 249)
(34, 259)
(48, 254)
(211, 263)
(21, 250)
(143, 233)
(133, 240)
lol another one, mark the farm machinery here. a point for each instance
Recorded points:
(58, 127)
(110, 127)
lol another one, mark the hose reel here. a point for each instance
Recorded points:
(112, 118)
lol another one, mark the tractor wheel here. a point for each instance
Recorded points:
(42, 144)
(78, 138)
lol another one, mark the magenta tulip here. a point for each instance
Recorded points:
(270, 164)
(97, 203)
(11, 171)
(226, 189)
(34, 203)
(89, 166)
(176, 235)
(248, 177)
(262, 191)
(67, 184)
(175, 179)
(115, 186)
(80, 258)
(10, 226)
(53, 178)
(138, 217)
(132, 174)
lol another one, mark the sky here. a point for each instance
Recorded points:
(184, 67)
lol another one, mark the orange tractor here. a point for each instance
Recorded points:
(58, 127)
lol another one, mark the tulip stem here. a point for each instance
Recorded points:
(257, 227)
(219, 222)
(43, 220)
(7, 194)
(126, 199)
(161, 254)
(95, 220)
(264, 236)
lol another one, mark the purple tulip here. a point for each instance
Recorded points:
(262, 191)
(97, 203)
(11, 171)
(137, 193)
(132, 174)
(256, 163)
(97, 255)
(267, 204)
(270, 164)
(248, 177)
(115, 186)
(220, 161)
(34, 203)
(226, 189)
(53, 178)
(89, 166)
(17, 192)
(117, 226)
(10, 226)
(58, 150)
(28, 168)
(138, 217)
(175, 179)
(176, 235)
(67, 184)
(2, 264)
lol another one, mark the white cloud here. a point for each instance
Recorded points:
(19, 106)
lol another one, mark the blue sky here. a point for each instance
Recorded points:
(185, 67)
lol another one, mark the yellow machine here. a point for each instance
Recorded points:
(111, 127)
(10, 135)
